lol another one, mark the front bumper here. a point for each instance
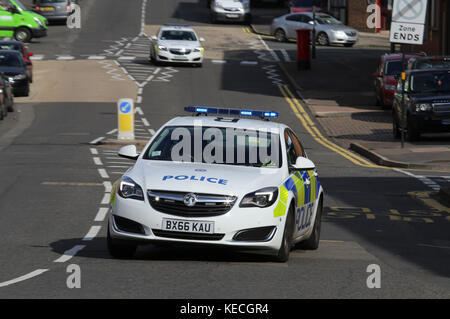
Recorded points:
(20, 87)
(227, 227)
(342, 38)
(167, 56)
(432, 122)
(39, 32)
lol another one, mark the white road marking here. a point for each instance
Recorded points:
(249, 62)
(105, 199)
(68, 254)
(285, 55)
(112, 131)
(118, 166)
(144, 120)
(97, 140)
(428, 182)
(97, 161)
(274, 55)
(152, 131)
(65, 57)
(103, 173)
(127, 58)
(93, 231)
(138, 109)
(94, 151)
(108, 186)
(37, 58)
(96, 57)
(219, 61)
(102, 211)
(139, 99)
(23, 278)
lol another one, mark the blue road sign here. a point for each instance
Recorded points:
(125, 107)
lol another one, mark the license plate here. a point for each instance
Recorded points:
(179, 59)
(48, 9)
(446, 122)
(232, 16)
(11, 80)
(188, 226)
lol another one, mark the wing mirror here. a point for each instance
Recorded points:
(202, 39)
(129, 152)
(154, 37)
(303, 164)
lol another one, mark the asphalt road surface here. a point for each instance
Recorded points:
(55, 183)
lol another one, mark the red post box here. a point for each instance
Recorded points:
(303, 49)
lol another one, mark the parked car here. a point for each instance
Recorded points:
(304, 5)
(15, 69)
(20, 47)
(386, 77)
(426, 104)
(230, 10)
(429, 62)
(19, 23)
(54, 10)
(329, 30)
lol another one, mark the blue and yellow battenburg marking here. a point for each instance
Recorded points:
(305, 187)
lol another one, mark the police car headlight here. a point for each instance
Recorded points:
(338, 33)
(423, 107)
(129, 189)
(162, 48)
(264, 197)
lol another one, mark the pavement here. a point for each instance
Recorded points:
(57, 173)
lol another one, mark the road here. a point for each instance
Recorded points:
(55, 183)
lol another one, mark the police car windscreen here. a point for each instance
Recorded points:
(257, 148)
(431, 82)
(177, 35)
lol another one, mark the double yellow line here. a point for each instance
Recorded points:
(312, 129)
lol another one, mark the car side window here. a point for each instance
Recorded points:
(294, 18)
(305, 19)
(297, 145)
(291, 153)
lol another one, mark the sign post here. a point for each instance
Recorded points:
(407, 27)
(125, 118)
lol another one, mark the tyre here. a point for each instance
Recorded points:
(312, 243)
(286, 243)
(280, 35)
(412, 131)
(322, 38)
(120, 251)
(248, 20)
(2, 112)
(22, 34)
(11, 104)
(395, 128)
(213, 18)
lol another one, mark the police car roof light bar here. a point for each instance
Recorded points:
(234, 112)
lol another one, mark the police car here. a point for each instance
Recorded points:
(218, 177)
(176, 43)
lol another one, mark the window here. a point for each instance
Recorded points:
(178, 35)
(294, 18)
(294, 148)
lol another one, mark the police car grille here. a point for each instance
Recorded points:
(169, 202)
(441, 107)
(180, 52)
(192, 236)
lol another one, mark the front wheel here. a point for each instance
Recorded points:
(286, 244)
(395, 128)
(280, 35)
(312, 243)
(412, 131)
(322, 38)
(22, 34)
(120, 251)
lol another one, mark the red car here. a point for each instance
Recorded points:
(19, 46)
(304, 5)
(387, 75)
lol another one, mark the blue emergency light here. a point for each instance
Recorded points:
(227, 111)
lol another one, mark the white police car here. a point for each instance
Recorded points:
(221, 180)
(176, 43)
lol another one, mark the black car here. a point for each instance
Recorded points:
(15, 69)
(429, 62)
(426, 104)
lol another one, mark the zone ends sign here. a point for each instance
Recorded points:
(408, 21)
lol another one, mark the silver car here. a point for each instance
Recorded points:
(54, 9)
(329, 30)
